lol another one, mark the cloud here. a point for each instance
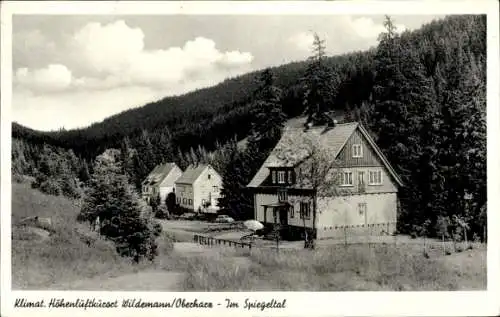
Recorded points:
(302, 40)
(341, 35)
(112, 55)
(367, 29)
(54, 77)
(116, 52)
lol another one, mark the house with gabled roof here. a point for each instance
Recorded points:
(160, 181)
(365, 196)
(198, 189)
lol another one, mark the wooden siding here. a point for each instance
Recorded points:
(369, 158)
(338, 213)
(388, 185)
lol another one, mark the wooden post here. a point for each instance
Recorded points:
(345, 235)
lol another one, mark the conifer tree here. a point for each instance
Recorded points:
(319, 82)
(124, 218)
(269, 118)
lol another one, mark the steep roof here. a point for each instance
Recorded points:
(159, 173)
(191, 174)
(292, 150)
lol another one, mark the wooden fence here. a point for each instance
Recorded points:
(211, 241)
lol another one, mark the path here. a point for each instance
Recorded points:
(147, 280)
(152, 280)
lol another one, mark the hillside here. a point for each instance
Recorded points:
(222, 111)
(421, 94)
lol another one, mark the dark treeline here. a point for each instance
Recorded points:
(420, 93)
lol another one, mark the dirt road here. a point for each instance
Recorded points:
(148, 280)
(154, 280)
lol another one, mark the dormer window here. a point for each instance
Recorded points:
(357, 150)
(281, 177)
(284, 176)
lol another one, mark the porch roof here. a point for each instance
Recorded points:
(278, 204)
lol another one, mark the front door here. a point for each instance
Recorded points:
(283, 215)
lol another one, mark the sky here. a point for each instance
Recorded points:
(70, 71)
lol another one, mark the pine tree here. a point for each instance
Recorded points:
(320, 84)
(126, 158)
(235, 197)
(268, 113)
(124, 218)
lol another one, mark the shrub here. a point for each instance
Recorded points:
(51, 187)
(125, 219)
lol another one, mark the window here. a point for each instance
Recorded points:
(362, 208)
(346, 179)
(273, 174)
(282, 195)
(375, 178)
(184, 201)
(281, 177)
(361, 178)
(357, 150)
(292, 211)
(215, 188)
(209, 176)
(190, 202)
(178, 200)
(290, 176)
(305, 210)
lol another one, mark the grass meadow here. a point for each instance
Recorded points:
(336, 268)
(40, 263)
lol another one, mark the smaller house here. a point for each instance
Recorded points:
(161, 181)
(199, 188)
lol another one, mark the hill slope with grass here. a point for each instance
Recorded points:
(68, 254)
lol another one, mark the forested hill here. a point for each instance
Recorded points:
(422, 94)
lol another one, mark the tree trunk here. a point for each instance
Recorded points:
(313, 238)
(306, 238)
(444, 245)
(465, 237)
(345, 236)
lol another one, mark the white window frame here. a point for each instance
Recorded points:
(346, 175)
(372, 178)
(305, 210)
(282, 195)
(281, 177)
(361, 178)
(357, 150)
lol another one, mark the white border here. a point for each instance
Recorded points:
(298, 304)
